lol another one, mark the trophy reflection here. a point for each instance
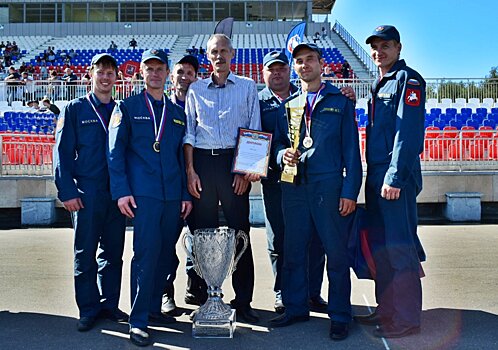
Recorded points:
(213, 255)
(295, 110)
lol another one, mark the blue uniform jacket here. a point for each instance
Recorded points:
(395, 131)
(268, 105)
(135, 168)
(80, 151)
(335, 142)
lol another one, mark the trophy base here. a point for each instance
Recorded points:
(222, 328)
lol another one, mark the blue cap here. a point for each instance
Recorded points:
(275, 56)
(310, 46)
(97, 58)
(154, 54)
(192, 60)
(384, 32)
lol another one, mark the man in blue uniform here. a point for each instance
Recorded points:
(276, 74)
(395, 138)
(148, 179)
(82, 180)
(323, 194)
(183, 74)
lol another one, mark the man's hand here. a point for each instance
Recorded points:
(186, 209)
(389, 193)
(126, 204)
(74, 204)
(239, 185)
(349, 93)
(252, 177)
(194, 184)
(346, 206)
(291, 156)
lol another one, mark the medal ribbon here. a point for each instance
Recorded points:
(158, 135)
(103, 120)
(309, 109)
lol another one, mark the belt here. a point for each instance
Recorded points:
(214, 152)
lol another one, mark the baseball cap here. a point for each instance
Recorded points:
(97, 58)
(275, 56)
(192, 60)
(385, 32)
(154, 54)
(310, 46)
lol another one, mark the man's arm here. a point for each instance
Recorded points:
(65, 158)
(409, 137)
(351, 160)
(193, 181)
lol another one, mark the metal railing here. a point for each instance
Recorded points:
(446, 150)
(356, 47)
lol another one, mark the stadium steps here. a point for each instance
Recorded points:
(36, 50)
(358, 67)
(179, 48)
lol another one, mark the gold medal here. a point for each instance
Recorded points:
(156, 147)
(307, 142)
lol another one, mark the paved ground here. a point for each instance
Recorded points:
(37, 308)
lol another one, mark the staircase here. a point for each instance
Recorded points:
(357, 65)
(41, 48)
(358, 58)
(179, 49)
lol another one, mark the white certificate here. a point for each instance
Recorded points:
(252, 153)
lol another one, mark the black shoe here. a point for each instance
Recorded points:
(139, 337)
(159, 319)
(168, 305)
(285, 320)
(279, 306)
(372, 319)
(85, 323)
(338, 330)
(391, 331)
(246, 313)
(317, 304)
(113, 315)
(195, 299)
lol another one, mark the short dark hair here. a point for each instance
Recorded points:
(105, 62)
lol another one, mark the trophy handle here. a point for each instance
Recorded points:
(243, 236)
(188, 236)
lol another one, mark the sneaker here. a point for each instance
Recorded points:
(85, 324)
(139, 337)
(168, 305)
(113, 315)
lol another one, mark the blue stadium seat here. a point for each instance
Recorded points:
(489, 122)
(456, 123)
(473, 122)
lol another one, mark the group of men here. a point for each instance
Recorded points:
(159, 162)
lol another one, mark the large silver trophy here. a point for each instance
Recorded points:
(212, 251)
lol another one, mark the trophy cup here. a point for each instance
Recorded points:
(295, 110)
(213, 255)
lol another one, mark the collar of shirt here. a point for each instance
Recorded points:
(108, 106)
(212, 84)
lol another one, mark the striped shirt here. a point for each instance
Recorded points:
(214, 114)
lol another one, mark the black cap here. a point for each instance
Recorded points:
(384, 32)
(192, 60)
(275, 56)
(155, 54)
(310, 46)
(97, 58)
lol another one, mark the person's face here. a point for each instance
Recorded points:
(220, 55)
(277, 76)
(154, 73)
(103, 79)
(384, 53)
(68, 71)
(308, 65)
(33, 105)
(182, 76)
(327, 70)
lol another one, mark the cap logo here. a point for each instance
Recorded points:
(275, 54)
(154, 52)
(379, 29)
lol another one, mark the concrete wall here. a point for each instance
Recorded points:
(436, 184)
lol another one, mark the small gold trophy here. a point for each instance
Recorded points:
(295, 111)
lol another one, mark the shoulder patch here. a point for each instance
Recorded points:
(412, 97)
(116, 119)
(413, 82)
(331, 110)
(60, 123)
